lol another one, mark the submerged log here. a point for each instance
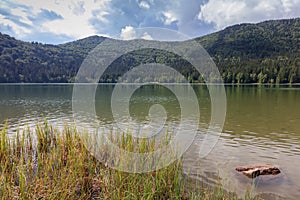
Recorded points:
(253, 171)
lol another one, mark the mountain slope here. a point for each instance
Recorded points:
(267, 52)
(266, 39)
(34, 62)
(83, 46)
(269, 49)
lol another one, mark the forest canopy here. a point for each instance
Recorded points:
(268, 52)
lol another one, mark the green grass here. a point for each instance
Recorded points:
(56, 165)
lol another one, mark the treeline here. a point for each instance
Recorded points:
(32, 62)
(267, 52)
(278, 70)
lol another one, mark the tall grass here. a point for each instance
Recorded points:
(51, 164)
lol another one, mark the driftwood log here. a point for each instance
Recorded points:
(253, 171)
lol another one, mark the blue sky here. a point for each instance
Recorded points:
(59, 21)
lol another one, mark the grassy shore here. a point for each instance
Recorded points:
(56, 165)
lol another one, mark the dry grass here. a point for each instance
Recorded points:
(56, 165)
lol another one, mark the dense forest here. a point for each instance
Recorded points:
(268, 52)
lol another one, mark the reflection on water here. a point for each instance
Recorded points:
(262, 127)
(28, 104)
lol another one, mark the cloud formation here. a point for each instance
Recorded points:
(57, 21)
(223, 13)
(128, 33)
(77, 7)
(144, 4)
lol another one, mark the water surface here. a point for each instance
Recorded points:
(262, 127)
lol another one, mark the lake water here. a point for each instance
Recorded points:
(262, 127)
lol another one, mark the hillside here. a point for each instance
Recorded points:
(267, 52)
(37, 63)
(266, 39)
(264, 52)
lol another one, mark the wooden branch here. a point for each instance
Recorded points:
(253, 171)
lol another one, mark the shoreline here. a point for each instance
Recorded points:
(57, 165)
(154, 83)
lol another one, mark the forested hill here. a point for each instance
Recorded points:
(32, 62)
(264, 52)
(267, 52)
(254, 41)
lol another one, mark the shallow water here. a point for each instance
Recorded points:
(262, 127)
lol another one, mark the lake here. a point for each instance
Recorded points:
(262, 126)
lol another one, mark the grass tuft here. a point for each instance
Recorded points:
(56, 165)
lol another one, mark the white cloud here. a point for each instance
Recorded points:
(75, 13)
(82, 18)
(223, 13)
(77, 7)
(128, 33)
(100, 15)
(146, 36)
(22, 14)
(144, 4)
(19, 30)
(170, 17)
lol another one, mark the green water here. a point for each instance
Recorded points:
(262, 126)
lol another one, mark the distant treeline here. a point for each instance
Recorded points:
(267, 52)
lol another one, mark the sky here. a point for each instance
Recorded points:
(60, 21)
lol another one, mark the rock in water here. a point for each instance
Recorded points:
(253, 171)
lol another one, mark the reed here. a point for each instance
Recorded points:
(54, 164)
